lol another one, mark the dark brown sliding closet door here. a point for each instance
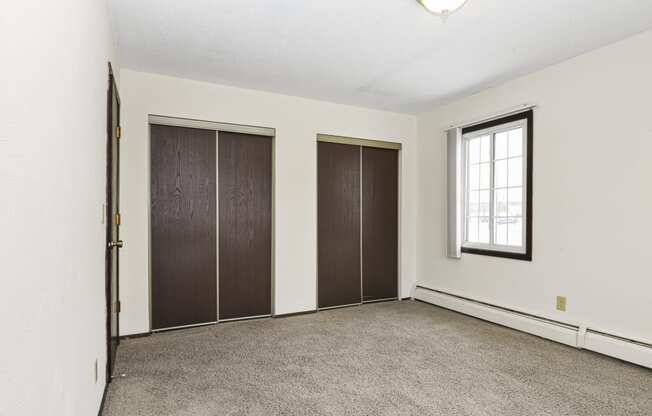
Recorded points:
(245, 225)
(379, 223)
(338, 204)
(183, 226)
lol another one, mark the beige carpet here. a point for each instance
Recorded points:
(398, 358)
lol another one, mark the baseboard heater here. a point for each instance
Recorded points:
(578, 336)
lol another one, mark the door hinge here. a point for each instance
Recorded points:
(118, 132)
(118, 219)
(116, 306)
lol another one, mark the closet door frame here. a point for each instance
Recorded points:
(217, 127)
(380, 144)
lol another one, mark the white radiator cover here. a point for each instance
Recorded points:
(576, 336)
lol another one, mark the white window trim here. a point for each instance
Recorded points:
(465, 143)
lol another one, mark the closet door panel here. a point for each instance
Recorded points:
(183, 226)
(245, 225)
(379, 223)
(338, 205)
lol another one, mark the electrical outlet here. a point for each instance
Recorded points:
(561, 303)
(95, 369)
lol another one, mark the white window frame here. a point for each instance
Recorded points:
(492, 131)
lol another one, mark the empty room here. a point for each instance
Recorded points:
(344, 207)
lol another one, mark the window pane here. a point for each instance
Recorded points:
(500, 174)
(500, 198)
(485, 176)
(472, 230)
(514, 232)
(500, 231)
(473, 204)
(495, 186)
(516, 142)
(515, 171)
(501, 146)
(474, 151)
(474, 177)
(483, 232)
(484, 204)
(515, 199)
(485, 149)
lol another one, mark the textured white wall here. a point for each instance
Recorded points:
(592, 198)
(53, 82)
(297, 122)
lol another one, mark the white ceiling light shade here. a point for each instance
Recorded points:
(442, 7)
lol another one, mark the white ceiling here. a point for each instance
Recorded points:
(387, 54)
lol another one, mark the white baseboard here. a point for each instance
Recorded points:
(626, 350)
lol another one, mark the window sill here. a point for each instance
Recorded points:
(527, 256)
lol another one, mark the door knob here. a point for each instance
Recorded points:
(117, 244)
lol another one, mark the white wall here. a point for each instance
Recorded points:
(592, 194)
(297, 122)
(53, 81)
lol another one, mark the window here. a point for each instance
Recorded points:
(498, 187)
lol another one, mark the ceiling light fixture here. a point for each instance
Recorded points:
(442, 7)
